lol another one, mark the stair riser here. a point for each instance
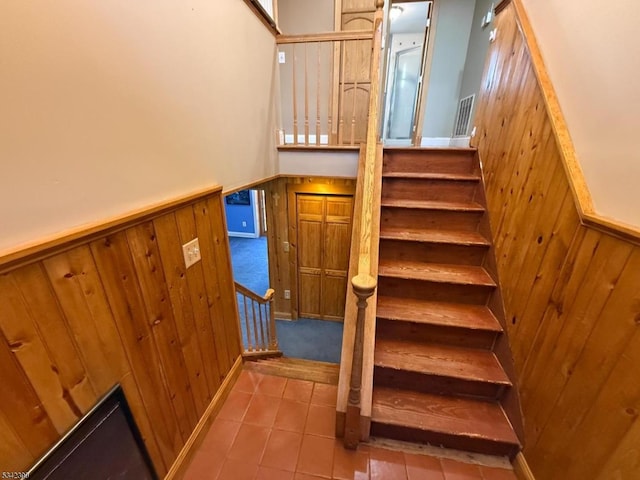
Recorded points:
(433, 162)
(410, 218)
(441, 292)
(470, 444)
(420, 189)
(388, 377)
(432, 252)
(419, 332)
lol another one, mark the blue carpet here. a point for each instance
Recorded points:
(303, 338)
(318, 340)
(250, 263)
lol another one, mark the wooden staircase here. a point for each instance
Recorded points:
(437, 379)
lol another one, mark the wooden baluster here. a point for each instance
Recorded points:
(363, 287)
(318, 96)
(264, 319)
(246, 323)
(355, 95)
(295, 100)
(255, 325)
(343, 52)
(332, 80)
(263, 337)
(306, 98)
(272, 322)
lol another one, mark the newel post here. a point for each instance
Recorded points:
(363, 287)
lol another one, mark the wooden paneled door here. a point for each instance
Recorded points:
(352, 86)
(323, 224)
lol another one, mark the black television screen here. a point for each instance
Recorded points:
(104, 445)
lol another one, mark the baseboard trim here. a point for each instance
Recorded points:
(179, 467)
(243, 234)
(521, 468)
(435, 142)
(460, 142)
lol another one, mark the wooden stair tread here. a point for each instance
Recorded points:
(321, 372)
(458, 416)
(432, 205)
(435, 272)
(441, 360)
(472, 317)
(455, 237)
(462, 177)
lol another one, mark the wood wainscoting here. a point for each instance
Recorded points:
(571, 285)
(282, 268)
(117, 305)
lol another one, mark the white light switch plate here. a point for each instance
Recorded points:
(191, 252)
(281, 57)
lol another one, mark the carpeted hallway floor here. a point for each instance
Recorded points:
(303, 338)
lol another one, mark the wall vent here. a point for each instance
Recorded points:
(464, 116)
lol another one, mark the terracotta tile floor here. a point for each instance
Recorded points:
(273, 428)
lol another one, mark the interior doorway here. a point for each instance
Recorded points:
(406, 60)
(246, 226)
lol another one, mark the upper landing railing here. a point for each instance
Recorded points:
(325, 87)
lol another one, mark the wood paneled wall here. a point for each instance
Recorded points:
(118, 307)
(571, 291)
(281, 262)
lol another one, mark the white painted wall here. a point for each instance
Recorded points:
(319, 164)
(305, 16)
(453, 26)
(476, 53)
(106, 107)
(592, 55)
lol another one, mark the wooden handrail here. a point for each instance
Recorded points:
(325, 37)
(364, 283)
(257, 322)
(331, 87)
(251, 294)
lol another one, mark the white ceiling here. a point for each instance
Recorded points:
(412, 19)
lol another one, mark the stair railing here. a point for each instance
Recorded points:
(321, 95)
(354, 409)
(257, 322)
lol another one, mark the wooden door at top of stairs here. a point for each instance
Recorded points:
(324, 235)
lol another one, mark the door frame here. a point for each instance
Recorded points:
(292, 211)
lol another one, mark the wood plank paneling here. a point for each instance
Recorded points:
(203, 309)
(153, 289)
(22, 407)
(572, 293)
(116, 268)
(25, 339)
(170, 247)
(212, 282)
(118, 307)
